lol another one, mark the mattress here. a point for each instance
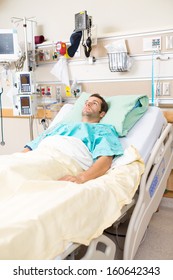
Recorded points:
(145, 132)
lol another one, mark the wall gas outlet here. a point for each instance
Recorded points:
(43, 90)
(49, 91)
(166, 88)
(77, 90)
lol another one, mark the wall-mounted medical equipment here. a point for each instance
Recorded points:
(61, 48)
(25, 83)
(25, 105)
(83, 23)
(25, 102)
(9, 46)
(152, 44)
(76, 88)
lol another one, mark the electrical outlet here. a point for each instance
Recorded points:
(157, 89)
(166, 88)
(169, 42)
(58, 94)
(58, 90)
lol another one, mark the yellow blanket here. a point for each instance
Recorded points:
(40, 216)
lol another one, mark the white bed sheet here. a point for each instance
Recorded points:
(145, 132)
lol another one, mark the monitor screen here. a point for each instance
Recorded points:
(25, 101)
(25, 79)
(9, 46)
(25, 82)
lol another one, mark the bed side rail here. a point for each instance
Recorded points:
(152, 187)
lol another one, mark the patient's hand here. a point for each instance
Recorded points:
(76, 179)
(25, 150)
(99, 168)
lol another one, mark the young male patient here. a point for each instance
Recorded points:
(100, 139)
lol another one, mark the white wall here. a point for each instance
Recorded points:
(56, 18)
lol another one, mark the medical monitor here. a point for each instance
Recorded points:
(9, 46)
(25, 105)
(25, 82)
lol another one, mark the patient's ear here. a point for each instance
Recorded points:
(102, 114)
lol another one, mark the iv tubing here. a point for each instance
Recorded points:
(2, 141)
(152, 90)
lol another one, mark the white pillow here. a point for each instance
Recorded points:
(61, 114)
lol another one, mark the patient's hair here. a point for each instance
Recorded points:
(104, 105)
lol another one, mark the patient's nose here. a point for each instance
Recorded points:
(89, 103)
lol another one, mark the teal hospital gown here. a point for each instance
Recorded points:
(100, 139)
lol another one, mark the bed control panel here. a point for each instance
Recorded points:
(157, 178)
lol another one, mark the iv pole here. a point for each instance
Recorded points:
(27, 67)
(25, 20)
(27, 60)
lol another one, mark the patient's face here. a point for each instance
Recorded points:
(92, 108)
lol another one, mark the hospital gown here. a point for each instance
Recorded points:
(100, 139)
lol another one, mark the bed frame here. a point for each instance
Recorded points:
(151, 190)
(152, 187)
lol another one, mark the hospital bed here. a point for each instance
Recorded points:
(35, 228)
(153, 138)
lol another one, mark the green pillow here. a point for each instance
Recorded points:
(124, 111)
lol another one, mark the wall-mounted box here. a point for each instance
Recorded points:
(152, 44)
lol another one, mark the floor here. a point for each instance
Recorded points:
(157, 243)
